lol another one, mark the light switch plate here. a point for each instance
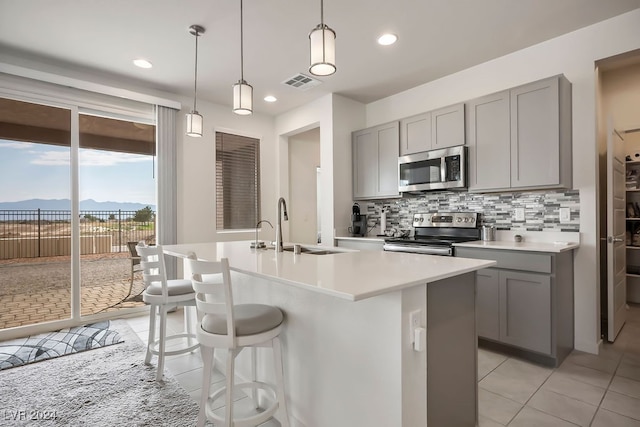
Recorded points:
(414, 323)
(565, 215)
(519, 212)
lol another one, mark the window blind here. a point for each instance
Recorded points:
(237, 181)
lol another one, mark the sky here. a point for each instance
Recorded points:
(42, 171)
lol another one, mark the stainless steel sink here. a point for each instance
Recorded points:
(311, 251)
(308, 250)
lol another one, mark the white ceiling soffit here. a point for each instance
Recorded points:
(99, 40)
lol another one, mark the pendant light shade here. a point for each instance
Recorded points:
(242, 91)
(322, 45)
(242, 98)
(194, 122)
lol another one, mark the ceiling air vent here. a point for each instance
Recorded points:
(301, 82)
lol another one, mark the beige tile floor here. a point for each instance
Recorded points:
(586, 390)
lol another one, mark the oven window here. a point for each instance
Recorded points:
(422, 172)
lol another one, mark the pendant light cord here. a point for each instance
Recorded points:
(241, 46)
(195, 78)
(322, 13)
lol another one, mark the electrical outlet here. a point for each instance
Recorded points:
(565, 215)
(519, 212)
(414, 322)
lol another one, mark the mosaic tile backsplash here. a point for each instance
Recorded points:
(542, 209)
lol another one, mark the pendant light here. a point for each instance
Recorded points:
(194, 119)
(322, 40)
(242, 91)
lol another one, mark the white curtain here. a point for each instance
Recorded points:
(166, 223)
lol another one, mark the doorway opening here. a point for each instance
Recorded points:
(304, 192)
(618, 102)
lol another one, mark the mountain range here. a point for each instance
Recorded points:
(65, 204)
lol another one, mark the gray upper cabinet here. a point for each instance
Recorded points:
(375, 162)
(434, 130)
(415, 134)
(365, 163)
(531, 124)
(488, 138)
(447, 127)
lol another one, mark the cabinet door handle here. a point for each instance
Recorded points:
(612, 239)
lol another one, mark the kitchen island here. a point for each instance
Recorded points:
(349, 352)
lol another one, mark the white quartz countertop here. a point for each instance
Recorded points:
(552, 247)
(350, 275)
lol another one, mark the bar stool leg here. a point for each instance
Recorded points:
(254, 377)
(188, 324)
(163, 334)
(228, 417)
(207, 361)
(152, 333)
(282, 399)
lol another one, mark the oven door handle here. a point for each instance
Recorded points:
(418, 250)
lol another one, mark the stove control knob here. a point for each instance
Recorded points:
(472, 219)
(459, 219)
(466, 219)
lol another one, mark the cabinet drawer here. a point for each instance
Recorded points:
(527, 261)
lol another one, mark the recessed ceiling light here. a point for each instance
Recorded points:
(270, 98)
(142, 63)
(387, 39)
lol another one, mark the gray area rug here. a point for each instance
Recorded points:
(37, 348)
(109, 386)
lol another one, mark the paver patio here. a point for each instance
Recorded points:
(38, 290)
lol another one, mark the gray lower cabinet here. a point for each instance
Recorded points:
(488, 302)
(525, 310)
(375, 162)
(526, 301)
(521, 138)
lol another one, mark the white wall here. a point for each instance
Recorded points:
(348, 116)
(336, 116)
(196, 172)
(621, 95)
(304, 158)
(573, 55)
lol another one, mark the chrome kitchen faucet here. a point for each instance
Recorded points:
(281, 204)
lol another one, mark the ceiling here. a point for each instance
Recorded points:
(436, 38)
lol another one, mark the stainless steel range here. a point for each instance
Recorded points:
(435, 233)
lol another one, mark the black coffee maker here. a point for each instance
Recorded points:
(358, 222)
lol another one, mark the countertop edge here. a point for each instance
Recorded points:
(521, 246)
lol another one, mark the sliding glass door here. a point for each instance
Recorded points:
(35, 213)
(117, 209)
(78, 186)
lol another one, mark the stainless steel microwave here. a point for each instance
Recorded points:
(433, 170)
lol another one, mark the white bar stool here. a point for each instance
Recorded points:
(234, 327)
(163, 294)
